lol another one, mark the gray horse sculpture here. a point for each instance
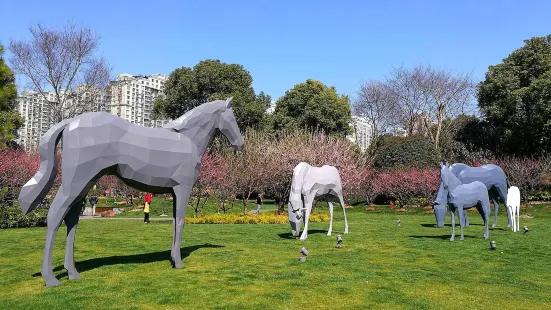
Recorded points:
(156, 160)
(465, 196)
(491, 175)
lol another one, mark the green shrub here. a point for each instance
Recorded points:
(262, 218)
(408, 152)
(12, 217)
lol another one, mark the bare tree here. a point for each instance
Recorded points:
(424, 94)
(447, 96)
(62, 61)
(378, 104)
(407, 87)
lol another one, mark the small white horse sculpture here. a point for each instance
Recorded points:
(513, 206)
(308, 184)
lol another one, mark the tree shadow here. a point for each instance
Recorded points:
(290, 235)
(448, 225)
(448, 236)
(131, 259)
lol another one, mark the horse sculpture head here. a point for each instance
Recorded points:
(296, 205)
(227, 124)
(211, 116)
(441, 202)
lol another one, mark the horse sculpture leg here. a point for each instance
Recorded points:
(514, 221)
(460, 215)
(453, 225)
(331, 218)
(502, 192)
(71, 220)
(180, 201)
(466, 218)
(58, 210)
(484, 209)
(308, 206)
(344, 213)
(517, 214)
(496, 206)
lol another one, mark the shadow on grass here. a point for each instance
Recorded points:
(448, 225)
(448, 236)
(131, 259)
(290, 235)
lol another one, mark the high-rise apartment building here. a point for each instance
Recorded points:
(362, 132)
(132, 98)
(35, 108)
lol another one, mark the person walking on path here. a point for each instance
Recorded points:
(258, 203)
(147, 201)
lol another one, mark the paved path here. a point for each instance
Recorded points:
(88, 217)
(261, 211)
(167, 218)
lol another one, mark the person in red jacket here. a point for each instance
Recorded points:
(147, 201)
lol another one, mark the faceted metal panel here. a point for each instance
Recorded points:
(156, 160)
(311, 183)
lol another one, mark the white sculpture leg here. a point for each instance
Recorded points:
(308, 206)
(511, 213)
(331, 218)
(453, 225)
(518, 217)
(344, 213)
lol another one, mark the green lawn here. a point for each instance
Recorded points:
(124, 265)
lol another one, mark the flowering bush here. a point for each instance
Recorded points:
(262, 218)
(403, 185)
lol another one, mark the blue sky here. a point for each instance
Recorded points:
(282, 43)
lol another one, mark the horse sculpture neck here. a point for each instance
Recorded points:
(199, 124)
(453, 181)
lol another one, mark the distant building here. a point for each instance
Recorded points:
(36, 112)
(131, 98)
(271, 108)
(362, 132)
(399, 132)
(421, 122)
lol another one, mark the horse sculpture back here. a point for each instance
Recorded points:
(156, 160)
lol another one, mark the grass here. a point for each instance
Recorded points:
(124, 265)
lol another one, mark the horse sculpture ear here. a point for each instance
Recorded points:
(228, 102)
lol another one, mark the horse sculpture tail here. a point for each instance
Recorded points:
(35, 190)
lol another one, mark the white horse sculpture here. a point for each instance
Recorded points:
(308, 184)
(513, 206)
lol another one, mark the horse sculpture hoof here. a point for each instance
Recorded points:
(178, 265)
(52, 281)
(74, 275)
(328, 234)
